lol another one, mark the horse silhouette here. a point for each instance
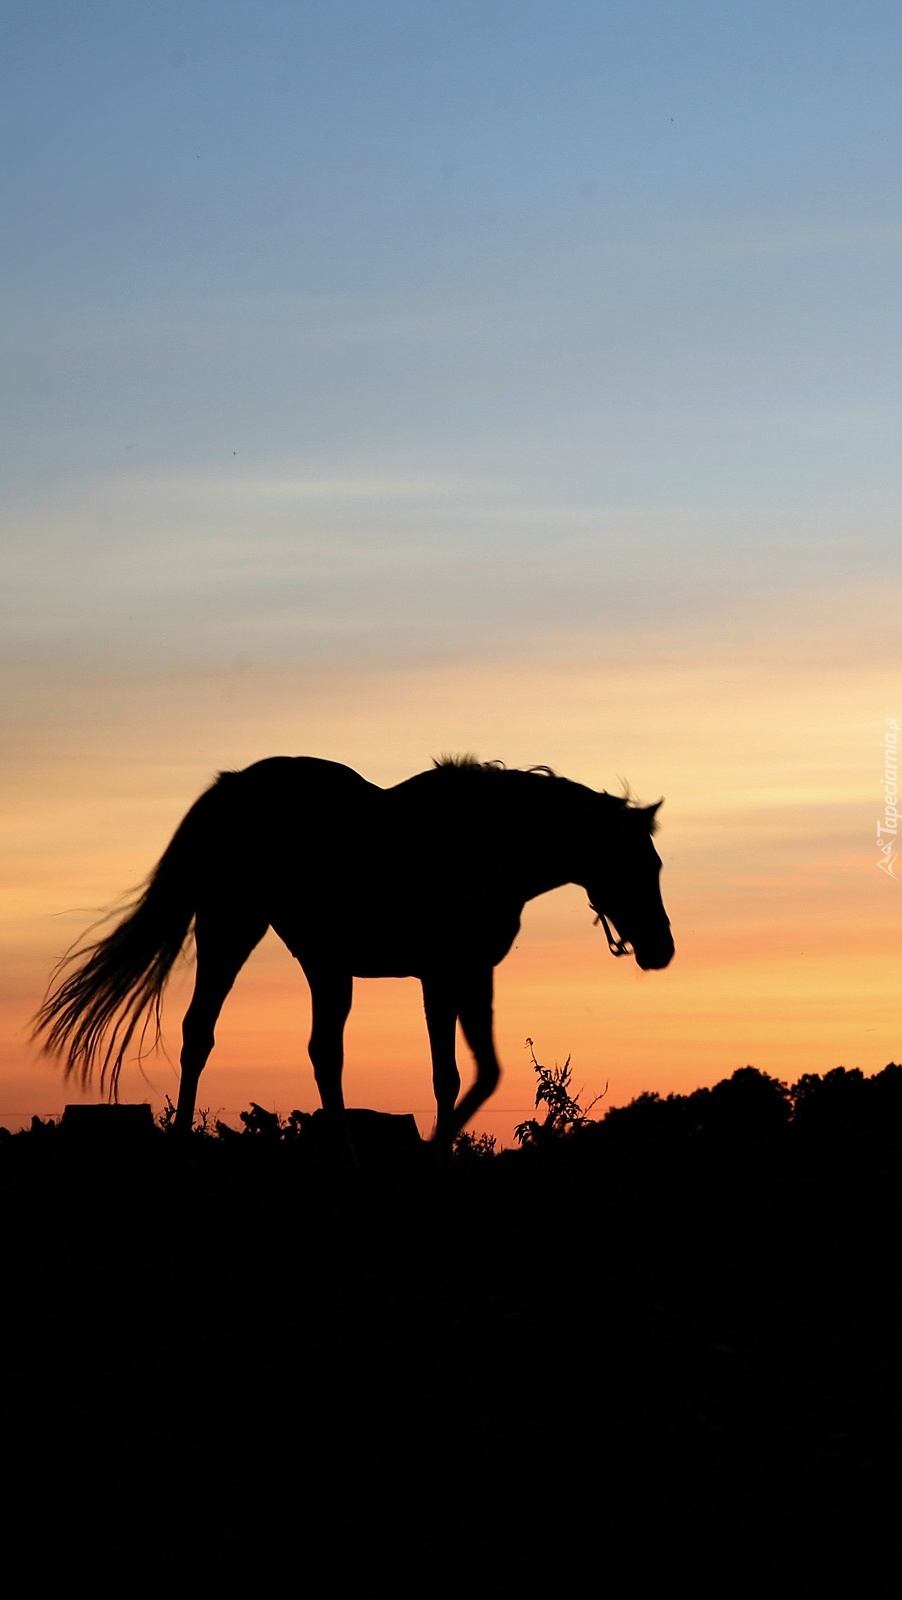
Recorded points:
(426, 879)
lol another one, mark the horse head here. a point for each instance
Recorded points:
(626, 892)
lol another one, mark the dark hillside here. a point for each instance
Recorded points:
(661, 1349)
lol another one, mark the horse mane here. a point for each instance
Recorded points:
(470, 763)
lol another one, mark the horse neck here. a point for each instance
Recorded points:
(545, 830)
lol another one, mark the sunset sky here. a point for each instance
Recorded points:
(401, 377)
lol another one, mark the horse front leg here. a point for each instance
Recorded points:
(331, 994)
(441, 1025)
(474, 1007)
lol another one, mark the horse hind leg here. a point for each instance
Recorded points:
(222, 949)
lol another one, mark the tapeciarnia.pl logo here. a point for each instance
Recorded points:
(888, 828)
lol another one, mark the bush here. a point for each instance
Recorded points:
(563, 1112)
(474, 1146)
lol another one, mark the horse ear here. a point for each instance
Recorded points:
(652, 814)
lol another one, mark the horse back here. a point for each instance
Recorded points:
(388, 881)
(294, 820)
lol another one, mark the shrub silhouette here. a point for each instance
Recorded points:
(834, 1103)
(650, 1117)
(563, 1112)
(262, 1124)
(474, 1146)
(202, 1123)
(841, 1110)
(748, 1105)
(885, 1095)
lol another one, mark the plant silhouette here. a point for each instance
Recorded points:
(563, 1111)
(426, 879)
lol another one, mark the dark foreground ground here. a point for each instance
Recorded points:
(619, 1364)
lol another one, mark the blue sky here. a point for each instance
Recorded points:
(531, 275)
(391, 378)
(287, 228)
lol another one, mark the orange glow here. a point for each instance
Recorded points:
(788, 937)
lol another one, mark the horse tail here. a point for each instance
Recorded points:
(101, 993)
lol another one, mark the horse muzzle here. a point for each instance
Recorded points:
(653, 954)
